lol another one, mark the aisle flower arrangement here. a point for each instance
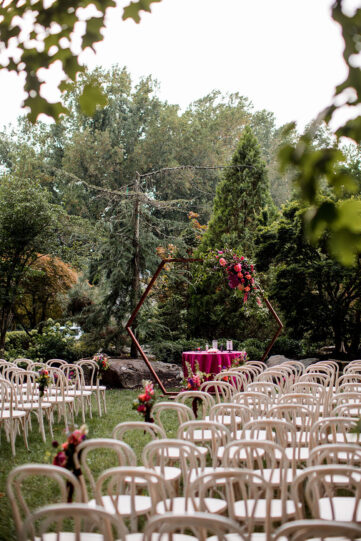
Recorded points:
(240, 360)
(145, 401)
(102, 361)
(194, 378)
(43, 380)
(240, 272)
(65, 456)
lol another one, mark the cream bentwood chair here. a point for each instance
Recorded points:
(201, 525)
(49, 481)
(72, 522)
(332, 492)
(318, 530)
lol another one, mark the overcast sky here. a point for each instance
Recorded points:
(284, 55)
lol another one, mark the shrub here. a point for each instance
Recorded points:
(17, 344)
(289, 347)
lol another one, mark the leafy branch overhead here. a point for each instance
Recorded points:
(34, 38)
(341, 217)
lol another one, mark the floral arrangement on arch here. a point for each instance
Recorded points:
(43, 380)
(102, 361)
(145, 401)
(240, 272)
(194, 378)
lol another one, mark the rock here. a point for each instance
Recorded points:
(275, 360)
(129, 373)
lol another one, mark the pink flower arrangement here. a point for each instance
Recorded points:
(145, 401)
(65, 456)
(238, 361)
(102, 361)
(194, 378)
(43, 380)
(240, 272)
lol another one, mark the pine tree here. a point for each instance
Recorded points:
(240, 197)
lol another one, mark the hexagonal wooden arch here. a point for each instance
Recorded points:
(146, 293)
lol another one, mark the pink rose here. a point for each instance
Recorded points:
(222, 262)
(238, 267)
(60, 459)
(240, 275)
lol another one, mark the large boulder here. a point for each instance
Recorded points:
(129, 373)
(275, 360)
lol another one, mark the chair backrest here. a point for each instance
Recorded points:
(209, 434)
(245, 491)
(222, 390)
(297, 414)
(259, 403)
(335, 453)
(91, 370)
(276, 376)
(77, 519)
(259, 364)
(310, 401)
(256, 455)
(271, 389)
(24, 363)
(204, 399)
(56, 362)
(151, 430)
(25, 383)
(328, 484)
(317, 377)
(303, 530)
(232, 415)
(74, 374)
(298, 368)
(24, 481)
(161, 453)
(116, 482)
(110, 453)
(183, 412)
(350, 409)
(334, 430)
(201, 525)
(234, 378)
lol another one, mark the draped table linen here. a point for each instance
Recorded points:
(209, 362)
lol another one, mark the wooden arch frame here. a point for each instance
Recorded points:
(145, 295)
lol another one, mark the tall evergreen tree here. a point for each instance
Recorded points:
(240, 197)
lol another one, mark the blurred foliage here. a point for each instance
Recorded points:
(313, 167)
(52, 38)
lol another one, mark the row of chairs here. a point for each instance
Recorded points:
(67, 395)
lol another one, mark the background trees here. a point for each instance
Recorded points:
(28, 225)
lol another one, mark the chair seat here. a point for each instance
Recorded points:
(273, 475)
(70, 536)
(161, 537)
(182, 505)
(224, 419)
(194, 474)
(170, 473)
(16, 414)
(343, 509)
(241, 453)
(96, 388)
(260, 435)
(173, 452)
(143, 505)
(349, 437)
(258, 509)
(255, 536)
(301, 453)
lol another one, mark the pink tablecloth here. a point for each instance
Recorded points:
(211, 363)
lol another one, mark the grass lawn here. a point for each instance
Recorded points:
(119, 406)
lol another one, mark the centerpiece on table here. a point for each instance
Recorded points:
(145, 401)
(102, 361)
(65, 456)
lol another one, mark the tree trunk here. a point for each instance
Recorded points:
(136, 265)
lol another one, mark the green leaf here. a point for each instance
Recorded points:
(132, 11)
(91, 97)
